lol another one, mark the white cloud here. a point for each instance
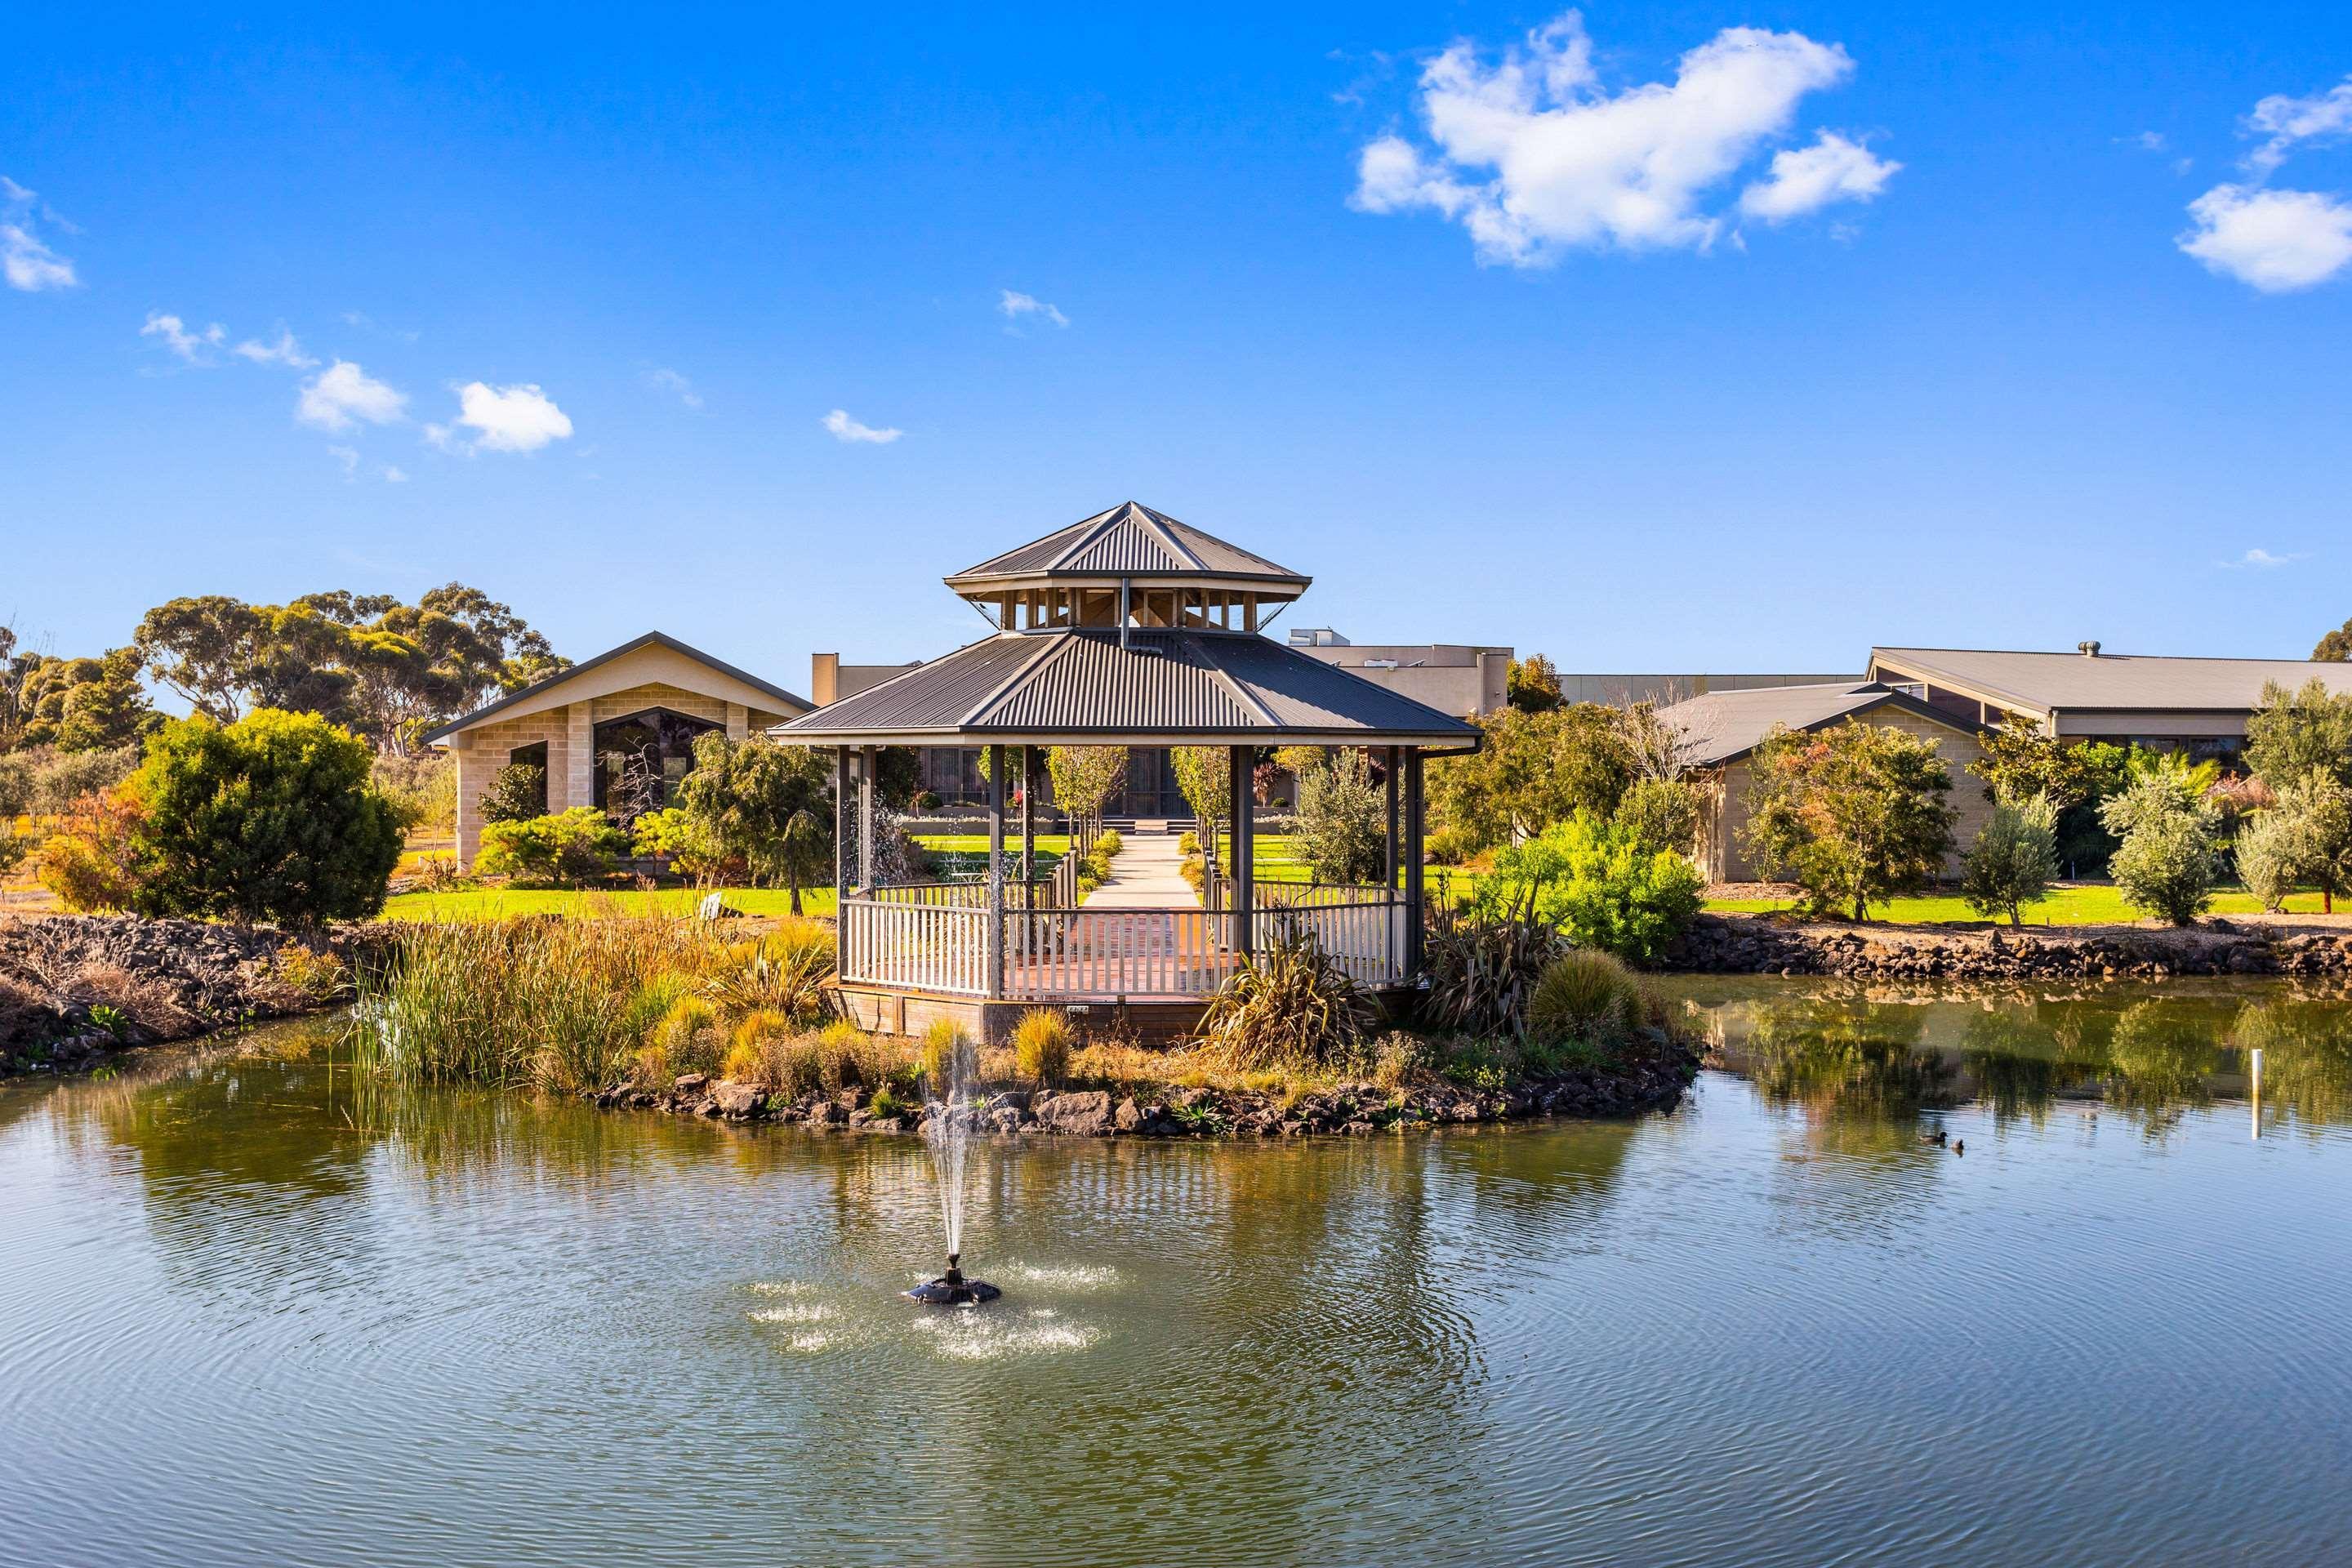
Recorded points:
(1806, 179)
(508, 418)
(2287, 121)
(2262, 559)
(30, 264)
(2150, 141)
(2275, 240)
(343, 393)
(671, 381)
(1015, 305)
(348, 457)
(394, 475)
(844, 429)
(285, 352)
(190, 346)
(1533, 156)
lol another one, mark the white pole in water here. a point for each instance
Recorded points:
(2256, 1056)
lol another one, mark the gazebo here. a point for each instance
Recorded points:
(1128, 628)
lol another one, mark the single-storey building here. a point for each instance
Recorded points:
(1723, 728)
(2198, 705)
(644, 704)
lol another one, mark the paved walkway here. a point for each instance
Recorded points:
(1148, 874)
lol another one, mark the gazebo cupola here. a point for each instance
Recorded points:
(1128, 567)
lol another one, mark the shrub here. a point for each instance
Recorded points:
(1662, 814)
(1107, 844)
(516, 792)
(2013, 860)
(2267, 858)
(1342, 832)
(310, 979)
(570, 847)
(947, 1060)
(1587, 996)
(1449, 845)
(1041, 1045)
(1188, 843)
(269, 819)
(2315, 814)
(1482, 968)
(90, 863)
(683, 1041)
(2167, 866)
(1287, 1005)
(1600, 884)
(785, 972)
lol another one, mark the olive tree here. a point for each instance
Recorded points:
(772, 805)
(2168, 860)
(2013, 860)
(1342, 832)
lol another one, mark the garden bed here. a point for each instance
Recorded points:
(1765, 944)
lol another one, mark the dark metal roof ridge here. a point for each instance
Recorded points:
(1877, 699)
(649, 639)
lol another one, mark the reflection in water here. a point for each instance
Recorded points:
(253, 1313)
(1866, 1059)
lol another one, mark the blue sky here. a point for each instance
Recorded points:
(1883, 333)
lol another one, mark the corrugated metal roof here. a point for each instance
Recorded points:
(2044, 681)
(1130, 540)
(1081, 684)
(1724, 726)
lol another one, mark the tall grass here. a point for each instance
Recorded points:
(571, 1005)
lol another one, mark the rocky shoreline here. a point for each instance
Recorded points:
(1654, 1083)
(75, 990)
(1771, 944)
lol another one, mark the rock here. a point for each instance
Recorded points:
(1087, 1113)
(1009, 1099)
(687, 1082)
(739, 1101)
(1129, 1115)
(1006, 1120)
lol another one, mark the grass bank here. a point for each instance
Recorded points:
(2088, 904)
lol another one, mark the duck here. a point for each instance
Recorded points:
(1937, 1137)
(1960, 1145)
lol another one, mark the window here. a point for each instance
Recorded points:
(532, 756)
(640, 759)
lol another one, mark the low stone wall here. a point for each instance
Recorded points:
(1654, 1083)
(1763, 944)
(158, 980)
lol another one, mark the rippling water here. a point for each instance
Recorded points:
(249, 1316)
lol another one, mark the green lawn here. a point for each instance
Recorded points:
(499, 903)
(977, 843)
(2065, 906)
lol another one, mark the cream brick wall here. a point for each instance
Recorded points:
(1722, 860)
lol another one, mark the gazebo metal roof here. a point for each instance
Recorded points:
(1088, 686)
(1131, 540)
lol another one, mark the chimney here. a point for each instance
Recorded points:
(2087, 649)
(824, 679)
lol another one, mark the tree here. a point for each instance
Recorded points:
(2335, 646)
(1342, 832)
(1599, 882)
(772, 805)
(1532, 770)
(2013, 860)
(2267, 854)
(2300, 734)
(1531, 685)
(81, 704)
(1084, 779)
(2167, 864)
(2314, 814)
(2020, 763)
(1853, 814)
(270, 818)
(1204, 775)
(208, 649)
(1662, 812)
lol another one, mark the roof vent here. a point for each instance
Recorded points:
(2087, 649)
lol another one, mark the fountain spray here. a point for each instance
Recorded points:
(947, 1138)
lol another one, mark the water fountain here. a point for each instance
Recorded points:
(947, 1137)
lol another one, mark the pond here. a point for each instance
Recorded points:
(251, 1314)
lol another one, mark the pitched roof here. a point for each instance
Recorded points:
(2047, 681)
(1130, 540)
(1078, 686)
(785, 702)
(1724, 726)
